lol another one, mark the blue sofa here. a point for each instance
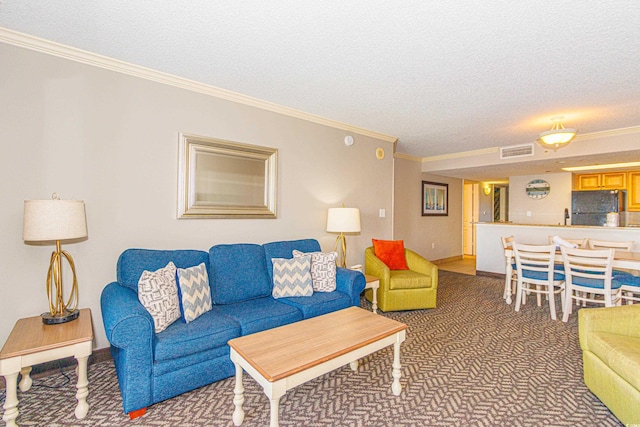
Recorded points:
(153, 367)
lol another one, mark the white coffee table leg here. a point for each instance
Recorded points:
(397, 372)
(83, 388)
(275, 408)
(374, 303)
(11, 400)
(238, 398)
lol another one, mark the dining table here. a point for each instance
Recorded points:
(621, 259)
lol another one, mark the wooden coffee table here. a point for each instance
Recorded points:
(282, 358)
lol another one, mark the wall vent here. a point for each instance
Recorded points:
(516, 151)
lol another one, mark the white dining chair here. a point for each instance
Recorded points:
(535, 266)
(510, 280)
(582, 243)
(589, 279)
(630, 287)
(616, 245)
(606, 244)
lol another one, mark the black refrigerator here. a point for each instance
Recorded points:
(592, 207)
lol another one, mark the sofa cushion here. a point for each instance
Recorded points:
(259, 314)
(292, 277)
(323, 269)
(285, 248)
(238, 273)
(195, 293)
(319, 303)
(621, 353)
(407, 279)
(391, 252)
(158, 293)
(211, 330)
(132, 262)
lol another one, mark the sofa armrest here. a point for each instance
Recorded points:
(374, 266)
(130, 331)
(421, 265)
(350, 282)
(126, 322)
(621, 320)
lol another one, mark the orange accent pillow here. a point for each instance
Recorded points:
(391, 252)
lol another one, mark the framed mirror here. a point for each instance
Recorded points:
(224, 179)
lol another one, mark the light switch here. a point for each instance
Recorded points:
(382, 213)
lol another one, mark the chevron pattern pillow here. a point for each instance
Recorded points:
(195, 291)
(158, 293)
(292, 277)
(323, 270)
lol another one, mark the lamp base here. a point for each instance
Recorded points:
(67, 316)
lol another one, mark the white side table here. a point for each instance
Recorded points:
(31, 342)
(373, 282)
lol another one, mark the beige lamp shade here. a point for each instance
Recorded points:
(343, 220)
(50, 220)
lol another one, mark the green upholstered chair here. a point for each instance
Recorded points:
(610, 342)
(411, 289)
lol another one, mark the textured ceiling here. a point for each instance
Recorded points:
(441, 76)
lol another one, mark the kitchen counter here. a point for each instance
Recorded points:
(490, 255)
(630, 226)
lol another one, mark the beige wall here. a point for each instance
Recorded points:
(420, 232)
(548, 210)
(111, 140)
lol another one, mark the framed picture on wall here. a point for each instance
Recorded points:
(435, 199)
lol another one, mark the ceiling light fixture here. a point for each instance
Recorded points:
(607, 166)
(558, 135)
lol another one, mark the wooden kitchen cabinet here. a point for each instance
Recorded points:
(602, 181)
(633, 192)
(588, 181)
(614, 181)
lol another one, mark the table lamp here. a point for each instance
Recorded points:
(51, 221)
(343, 220)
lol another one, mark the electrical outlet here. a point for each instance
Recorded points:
(528, 213)
(382, 213)
(433, 245)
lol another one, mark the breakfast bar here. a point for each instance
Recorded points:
(490, 254)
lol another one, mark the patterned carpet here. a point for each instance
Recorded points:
(472, 361)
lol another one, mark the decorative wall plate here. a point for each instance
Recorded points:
(538, 189)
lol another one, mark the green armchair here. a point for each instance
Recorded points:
(411, 289)
(610, 342)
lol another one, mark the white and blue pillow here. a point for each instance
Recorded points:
(323, 269)
(158, 293)
(195, 291)
(292, 277)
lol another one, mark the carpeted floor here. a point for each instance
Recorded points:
(472, 361)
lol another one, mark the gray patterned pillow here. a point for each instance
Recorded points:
(292, 277)
(195, 291)
(323, 270)
(158, 293)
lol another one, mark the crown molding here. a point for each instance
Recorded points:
(407, 157)
(82, 56)
(608, 133)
